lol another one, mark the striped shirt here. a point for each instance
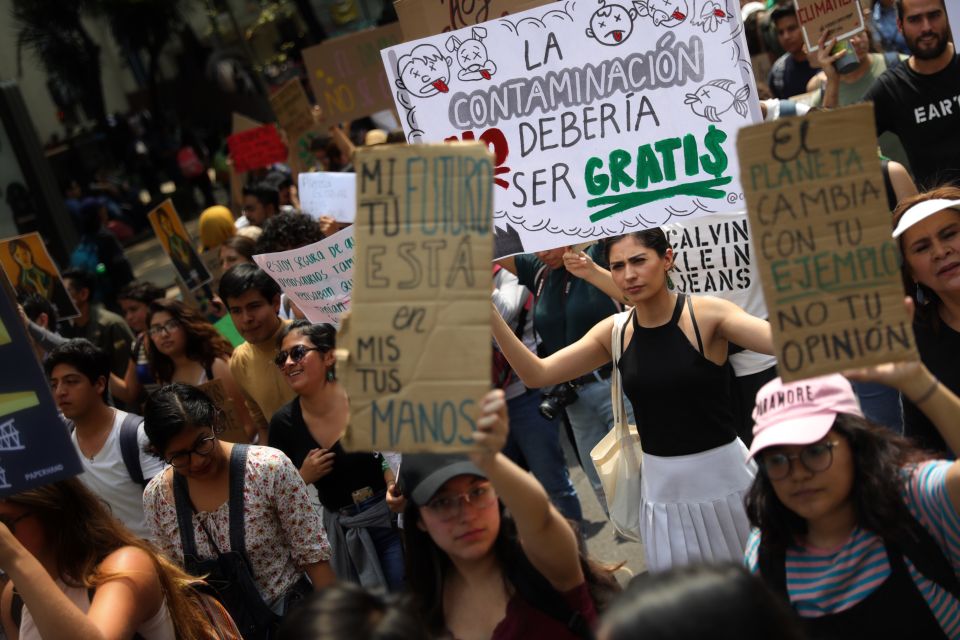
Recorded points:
(821, 582)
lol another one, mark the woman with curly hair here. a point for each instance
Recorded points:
(76, 572)
(183, 347)
(855, 527)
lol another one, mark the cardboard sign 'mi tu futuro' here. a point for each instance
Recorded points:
(416, 346)
(822, 238)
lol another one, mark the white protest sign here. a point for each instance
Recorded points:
(318, 278)
(603, 117)
(328, 193)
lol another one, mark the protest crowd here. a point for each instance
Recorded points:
(259, 446)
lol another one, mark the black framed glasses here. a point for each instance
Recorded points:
(166, 328)
(202, 448)
(449, 507)
(297, 353)
(11, 523)
(815, 458)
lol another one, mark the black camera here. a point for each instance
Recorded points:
(555, 398)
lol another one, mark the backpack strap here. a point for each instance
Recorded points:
(773, 569)
(238, 467)
(184, 508)
(130, 447)
(917, 545)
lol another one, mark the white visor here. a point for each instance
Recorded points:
(922, 210)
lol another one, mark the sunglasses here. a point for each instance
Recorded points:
(297, 353)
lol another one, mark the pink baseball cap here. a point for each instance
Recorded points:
(800, 412)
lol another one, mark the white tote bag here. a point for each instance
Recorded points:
(617, 456)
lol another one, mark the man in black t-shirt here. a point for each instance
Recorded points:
(920, 100)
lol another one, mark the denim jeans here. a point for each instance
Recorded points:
(534, 443)
(386, 540)
(880, 404)
(591, 418)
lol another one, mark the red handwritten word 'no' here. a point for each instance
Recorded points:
(495, 140)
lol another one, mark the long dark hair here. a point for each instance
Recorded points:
(879, 456)
(204, 343)
(427, 566)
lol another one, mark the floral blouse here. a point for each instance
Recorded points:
(283, 531)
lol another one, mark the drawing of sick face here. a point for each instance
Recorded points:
(664, 13)
(611, 24)
(472, 56)
(424, 71)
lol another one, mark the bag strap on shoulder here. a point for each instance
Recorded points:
(130, 447)
(238, 466)
(917, 545)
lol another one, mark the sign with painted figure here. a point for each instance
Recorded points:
(603, 117)
(177, 245)
(293, 111)
(255, 148)
(329, 193)
(346, 75)
(822, 242)
(35, 447)
(417, 341)
(842, 18)
(30, 269)
(318, 278)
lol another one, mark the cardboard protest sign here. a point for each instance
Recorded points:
(35, 447)
(422, 18)
(417, 340)
(30, 269)
(603, 118)
(290, 105)
(842, 18)
(256, 148)
(318, 278)
(329, 193)
(346, 75)
(177, 245)
(821, 237)
(233, 430)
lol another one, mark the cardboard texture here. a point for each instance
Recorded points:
(842, 18)
(346, 74)
(178, 246)
(820, 231)
(290, 105)
(318, 278)
(30, 269)
(232, 426)
(329, 193)
(35, 446)
(422, 18)
(415, 350)
(256, 148)
(601, 120)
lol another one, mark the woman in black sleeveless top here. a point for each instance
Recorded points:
(674, 374)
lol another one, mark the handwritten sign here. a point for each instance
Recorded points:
(821, 234)
(30, 269)
(290, 105)
(603, 118)
(35, 447)
(842, 18)
(256, 148)
(176, 244)
(422, 18)
(346, 75)
(317, 277)
(418, 338)
(329, 193)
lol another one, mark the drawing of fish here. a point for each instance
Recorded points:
(715, 98)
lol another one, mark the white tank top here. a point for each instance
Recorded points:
(158, 627)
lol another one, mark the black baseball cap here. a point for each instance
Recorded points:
(422, 474)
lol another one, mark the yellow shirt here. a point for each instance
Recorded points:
(263, 386)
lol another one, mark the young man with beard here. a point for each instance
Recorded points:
(920, 100)
(253, 299)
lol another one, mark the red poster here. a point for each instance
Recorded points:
(256, 148)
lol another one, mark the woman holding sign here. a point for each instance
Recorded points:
(674, 373)
(856, 527)
(927, 227)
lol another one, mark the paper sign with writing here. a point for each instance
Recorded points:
(821, 236)
(176, 244)
(30, 269)
(422, 18)
(418, 337)
(290, 105)
(842, 18)
(603, 118)
(256, 148)
(346, 75)
(35, 446)
(318, 277)
(329, 193)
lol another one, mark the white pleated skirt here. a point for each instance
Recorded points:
(692, 508)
